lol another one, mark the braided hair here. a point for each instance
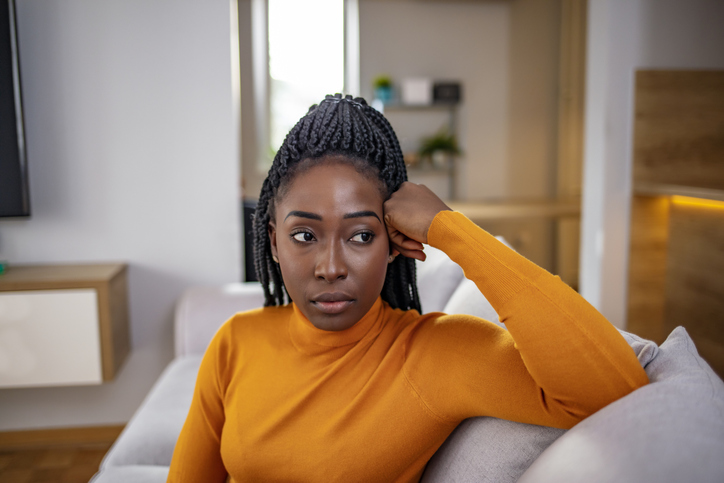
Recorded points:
(337, 126)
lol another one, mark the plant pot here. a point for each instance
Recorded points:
(384, 94)
(441, 159)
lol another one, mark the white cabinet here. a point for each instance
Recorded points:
(62, 325)
(49, 338)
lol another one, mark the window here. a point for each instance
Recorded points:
(303, 51)
(306, 58)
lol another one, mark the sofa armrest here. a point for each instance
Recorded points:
(150, 436)
(132, 473)
(202, 310)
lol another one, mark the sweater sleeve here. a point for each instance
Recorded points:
(197, 455)
(559, 361)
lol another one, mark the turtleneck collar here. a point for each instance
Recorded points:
(311, 340)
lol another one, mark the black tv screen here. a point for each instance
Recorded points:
(14, 196)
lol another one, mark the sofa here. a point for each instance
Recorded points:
(671, 430)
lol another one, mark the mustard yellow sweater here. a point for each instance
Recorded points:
(279, 400)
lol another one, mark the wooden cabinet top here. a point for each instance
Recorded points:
(49, 277)
(518, 209)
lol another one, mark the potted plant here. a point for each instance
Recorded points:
(439, 148)
(382, 85)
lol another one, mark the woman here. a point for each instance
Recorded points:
(349, 382)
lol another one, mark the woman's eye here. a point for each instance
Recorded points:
(364, 237)
(303, 236)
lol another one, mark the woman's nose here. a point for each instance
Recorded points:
(330, 264)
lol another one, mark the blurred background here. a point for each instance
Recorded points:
(504, 58)
(150, 125)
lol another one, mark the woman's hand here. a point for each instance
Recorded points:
(408, 215)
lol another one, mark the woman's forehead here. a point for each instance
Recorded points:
(332, 187)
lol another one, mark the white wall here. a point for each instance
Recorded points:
(623, 36)
(132, 134)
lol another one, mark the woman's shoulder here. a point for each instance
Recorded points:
(437, 329)
(270, 313)
(261, 322)
(261, 317)
(437, 322)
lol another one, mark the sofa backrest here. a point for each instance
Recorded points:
(202, 310)
(443, 287)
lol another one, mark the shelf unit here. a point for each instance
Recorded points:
(519, 210)
(451, 109)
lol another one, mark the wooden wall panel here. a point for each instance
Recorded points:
(679, 128)
(695, 277)
(676, 266)
(647, 266)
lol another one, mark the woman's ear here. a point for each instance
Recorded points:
(272, 231)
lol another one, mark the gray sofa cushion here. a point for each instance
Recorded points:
(437, 278)
(644, 349)
(150, 436)
(669, 431)
(467, 299)
(132, 474)
(488, 450)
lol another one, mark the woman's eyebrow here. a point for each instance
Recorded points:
(314, 216)
(304, 214)
(361, 214)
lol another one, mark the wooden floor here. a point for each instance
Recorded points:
(58, 455)
(60, 464)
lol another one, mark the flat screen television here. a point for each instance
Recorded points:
(14, 194)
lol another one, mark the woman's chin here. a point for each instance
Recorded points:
(334, 316)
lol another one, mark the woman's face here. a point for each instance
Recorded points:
(330, 238)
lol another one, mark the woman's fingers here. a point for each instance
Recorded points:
(404, 245)
(416, 254)
(401, 240)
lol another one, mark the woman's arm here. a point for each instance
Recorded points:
(560, 359)
(197, 455)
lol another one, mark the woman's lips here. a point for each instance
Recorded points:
(332, 303)
(332, 307)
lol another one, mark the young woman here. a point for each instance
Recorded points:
(340, 377)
